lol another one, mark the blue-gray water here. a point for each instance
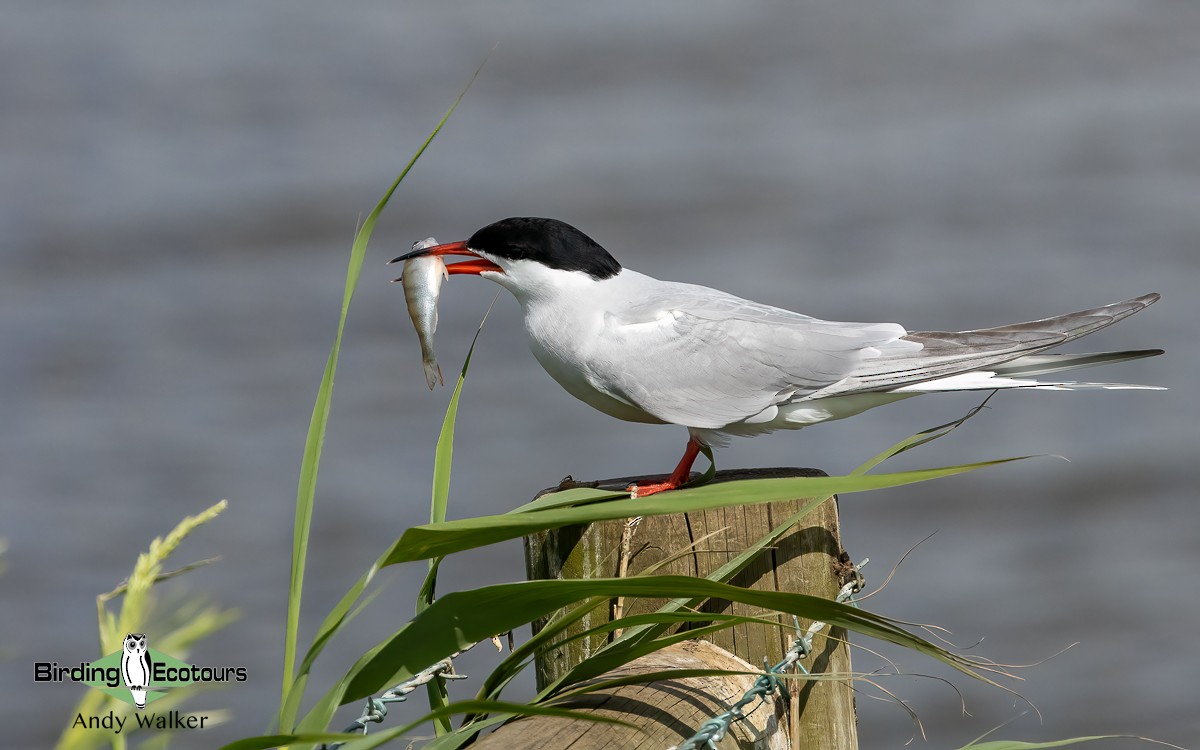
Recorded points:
(181, 187)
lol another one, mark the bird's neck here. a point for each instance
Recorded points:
(536, 286)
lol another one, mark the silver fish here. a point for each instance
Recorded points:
(422, 279)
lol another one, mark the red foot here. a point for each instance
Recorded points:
(646, 490)
(677, 478)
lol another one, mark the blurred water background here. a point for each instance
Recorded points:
(181, 184)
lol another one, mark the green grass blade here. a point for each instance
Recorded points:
(504, 673)
(465, 734)
(512, 665)
(442, 463)
(295, 694)
(1014, 745)
(338, 617)
(270, 741)
(435, 689)
(323, 711)
(426, 594)
(333, 622)
(483, 612)
(423, 542)
(568, 498)
(444, 456)
(319, 716)
(439, 697)
(610, 659)
(315, 440)
(667, 618)
(709, 473)
(923, 437)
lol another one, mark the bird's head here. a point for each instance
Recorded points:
(525, 254)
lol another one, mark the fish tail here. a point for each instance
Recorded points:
(433, 373)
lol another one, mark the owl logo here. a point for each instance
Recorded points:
(135, 667)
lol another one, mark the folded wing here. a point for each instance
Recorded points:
(708, 359)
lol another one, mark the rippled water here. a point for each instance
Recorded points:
(181, 187)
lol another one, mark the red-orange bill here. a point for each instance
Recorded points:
(472, 267)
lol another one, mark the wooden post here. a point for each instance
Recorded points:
(807, 559)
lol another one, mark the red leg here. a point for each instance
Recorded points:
(677, 478)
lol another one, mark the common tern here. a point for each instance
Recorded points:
(660, 352)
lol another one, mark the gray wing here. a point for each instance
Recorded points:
(707, 359)
(943, 354)
(710, 359)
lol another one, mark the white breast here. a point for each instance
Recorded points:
(564, 341)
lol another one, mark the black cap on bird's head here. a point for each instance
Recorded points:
(551, 242)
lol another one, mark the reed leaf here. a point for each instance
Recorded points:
(462, 618)
(315, 440)
(434, 540)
